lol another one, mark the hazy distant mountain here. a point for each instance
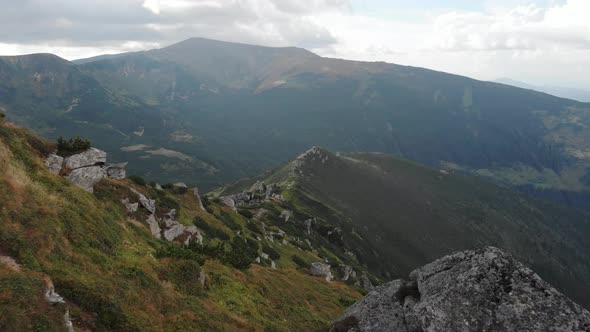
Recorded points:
(559, 91)
(207, 112)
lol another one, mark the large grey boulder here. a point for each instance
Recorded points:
(54, 163)
(479, 290)
(116, 171)
(154, 226)
(90, 157)
(321, 270)
(87, 177)
(86, 169)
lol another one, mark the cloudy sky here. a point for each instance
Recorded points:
(536, 41)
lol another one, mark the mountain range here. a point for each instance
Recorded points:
(559, 91)
(209, 112)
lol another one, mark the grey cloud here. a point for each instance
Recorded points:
(113, 22)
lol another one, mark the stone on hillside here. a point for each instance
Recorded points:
(54, 163)
(86, 177)
(479, 290)
(229, 202)
(131, 207)
(90, 157)
(148, 204)
(286, 215)
(68, 322)
(196, 193)
(180, 185)
(273, 265)
(320, 269)
(52, 297)
(116, 171)
(307, 224)
(154, 226)
(158, 186)
(347, 272)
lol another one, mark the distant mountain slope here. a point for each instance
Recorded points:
(397, 215)
(559, 91)
(227, 110)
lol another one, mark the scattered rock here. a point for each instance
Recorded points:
(265, 255)
(158, 186)
(154, 227)
(131, 207)
(52, 297)
(10, 263)
(202, 279)
(307, 224)
(256, 195)
(364, 282)
(286, 215)
(68, 321)
(229, 202)
(180, 185)
(320, 269)
(54, 163)
(116, 171)
(196, 193)
(347, 272)
(479, 290)
(147, 203)
(273, 265)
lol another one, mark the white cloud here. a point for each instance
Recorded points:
(541, 41)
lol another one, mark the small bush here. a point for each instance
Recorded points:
(254, 227)
(211, 231)
(272, 253)
(299, 261)
(138, 180)
(172, 250)
(246, 213)
(243, 253)
(72, 146)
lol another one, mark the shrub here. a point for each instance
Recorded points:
(213, 232)
(299, 261)
(138, 180)
(243, 253)
(246, 213)
(272, 253)
(173, 250)
(72, 146)
(254, 227)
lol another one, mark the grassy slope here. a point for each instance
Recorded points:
(107, 268)
(398, 215)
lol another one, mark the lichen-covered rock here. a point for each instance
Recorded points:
(196, 193)
(116, 171)
(229, 202)
(480, 290)
(86, 177)
(320, 269)
(90, 157)
(54, 163)
(154, 226)
(148, 204)
(52, 297)
(131, 207)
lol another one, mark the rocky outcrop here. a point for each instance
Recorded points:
(154, 226)
(481, 290)
(320, 269)
(54, 163)
(174, 230)
(315, 154)
(257, 194)
(148, 204)
(90, 157)
(85, 169)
